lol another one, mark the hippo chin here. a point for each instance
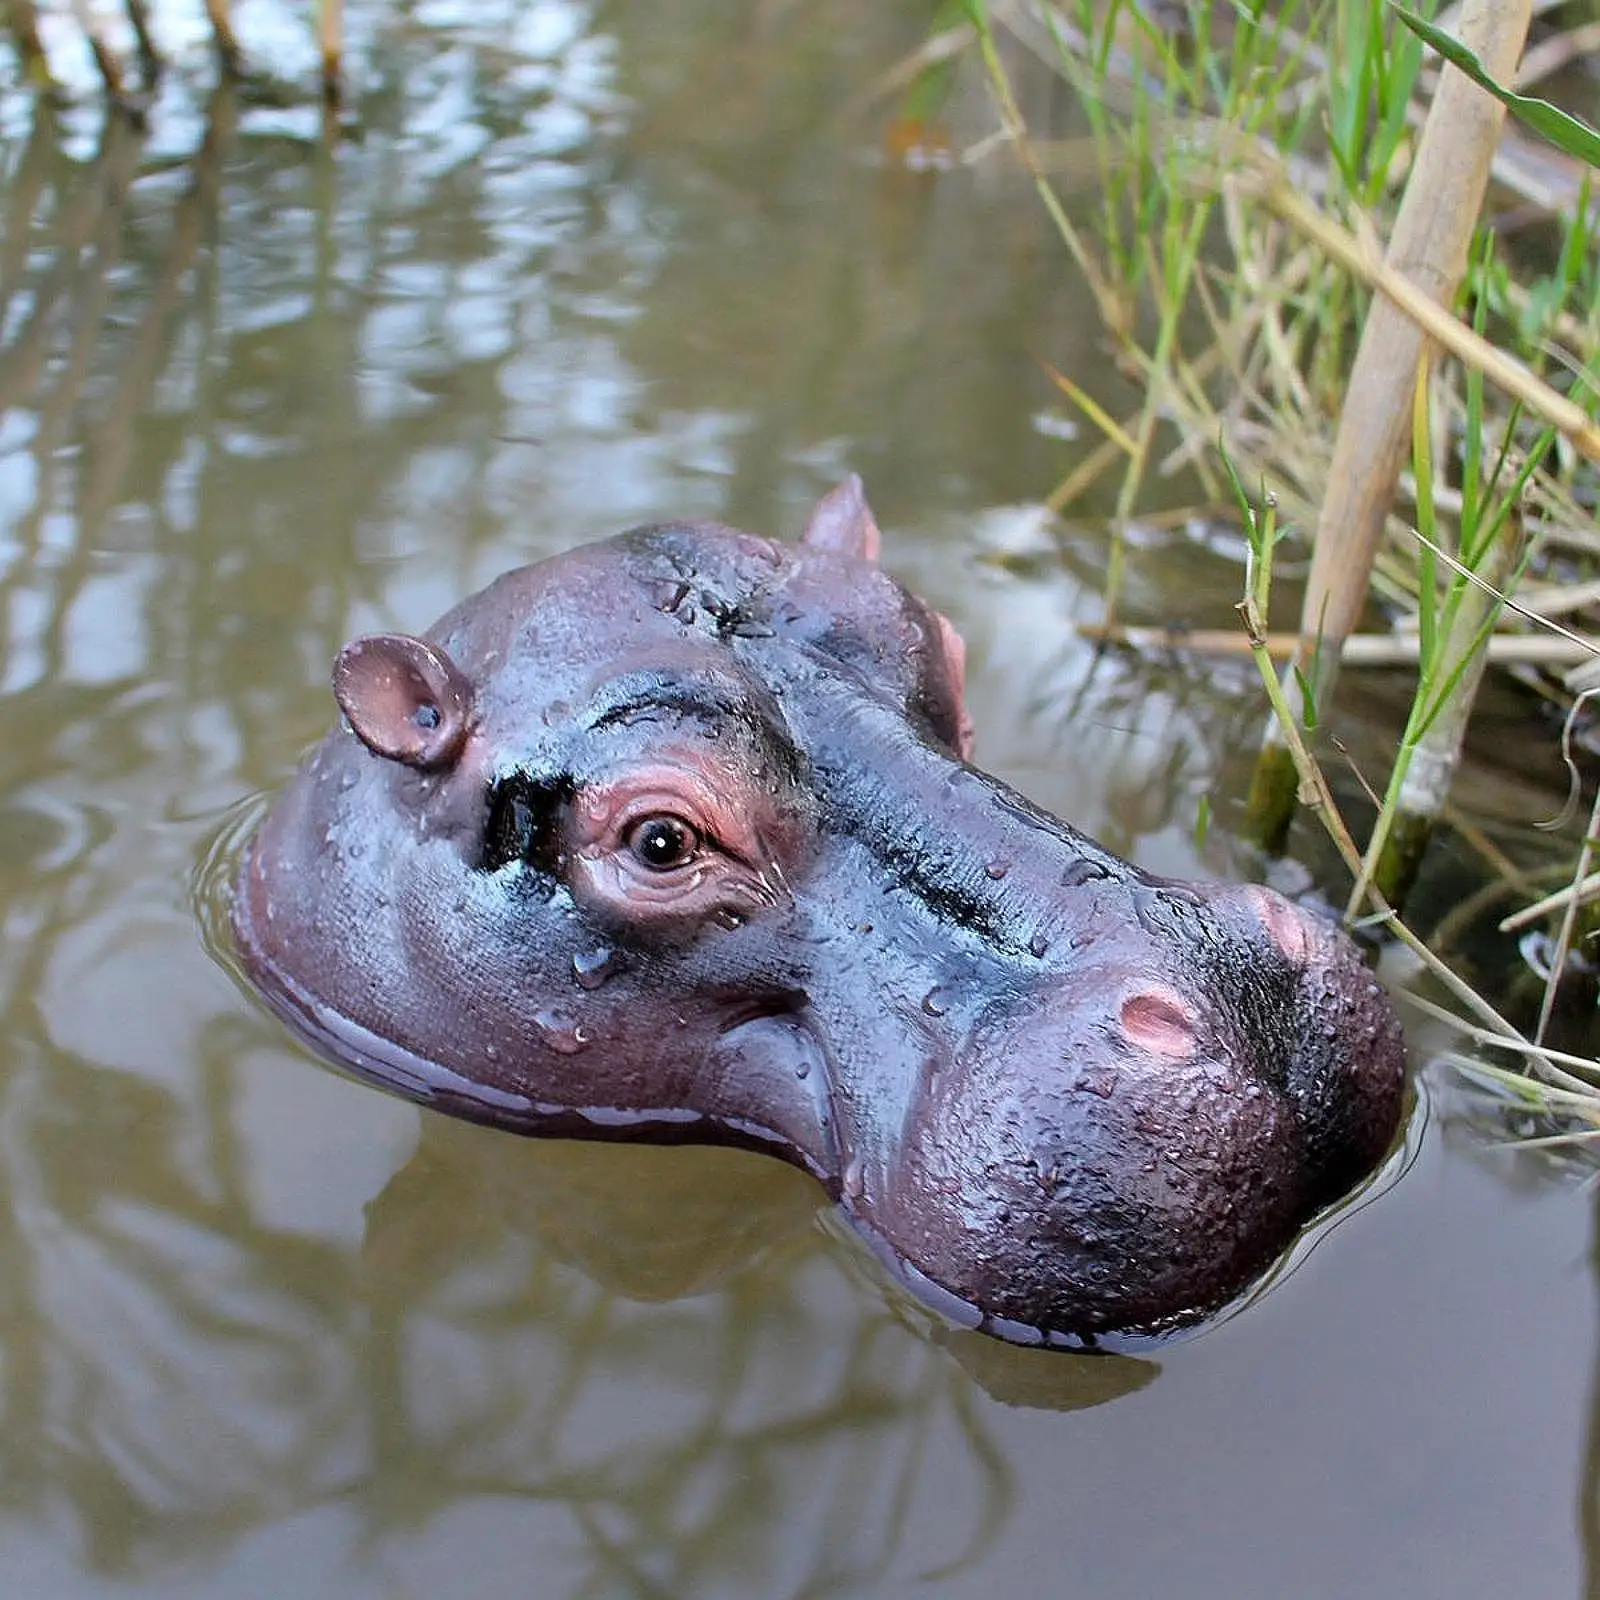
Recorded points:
(673, 838)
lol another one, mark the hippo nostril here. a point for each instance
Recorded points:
(1159, 1022)
(1286, 926)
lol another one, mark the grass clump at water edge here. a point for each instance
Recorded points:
(1424, 406)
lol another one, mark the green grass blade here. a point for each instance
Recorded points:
(1308, 701)
(1565, 132)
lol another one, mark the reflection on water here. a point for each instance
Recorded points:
(263, 1331)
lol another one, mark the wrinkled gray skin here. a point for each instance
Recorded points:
(671, 838)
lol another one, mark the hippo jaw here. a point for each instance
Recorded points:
(672, 838)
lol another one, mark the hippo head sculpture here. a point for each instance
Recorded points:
(673, 838)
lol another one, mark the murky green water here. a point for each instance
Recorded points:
(264, 1332)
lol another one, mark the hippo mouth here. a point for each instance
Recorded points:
(714, 868)
(375, 1058)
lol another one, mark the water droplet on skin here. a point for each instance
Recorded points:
(997, 869)
(802, 1070)
(591, 968)
(936, 1002)
(1037, 946)
(1081, 872)
(354, 849)
(559, 1033)
(491, 1052)
(852, 1183)
(348, 781)
(1103, 1084)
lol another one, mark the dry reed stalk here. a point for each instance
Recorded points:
(1361, 649)
(1428, 249)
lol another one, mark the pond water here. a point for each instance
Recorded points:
(267, 1332)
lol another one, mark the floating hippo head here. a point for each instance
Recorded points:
(673, 838)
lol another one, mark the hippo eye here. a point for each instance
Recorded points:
(663, 843)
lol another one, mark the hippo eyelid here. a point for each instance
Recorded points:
(704, 702)
(716, 705)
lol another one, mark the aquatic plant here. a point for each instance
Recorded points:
(1421, 409)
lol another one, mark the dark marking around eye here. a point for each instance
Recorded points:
(523, 822)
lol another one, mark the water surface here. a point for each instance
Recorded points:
(266, 1332)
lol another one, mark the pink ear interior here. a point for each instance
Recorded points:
(405, 698)
(842, 521)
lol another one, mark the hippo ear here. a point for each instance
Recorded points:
(405, 698)
(842, 521)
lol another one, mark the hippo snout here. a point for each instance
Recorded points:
(1345, 1073)
(1139, 1136)
(712, 866)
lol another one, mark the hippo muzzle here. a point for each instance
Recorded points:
(673, 838)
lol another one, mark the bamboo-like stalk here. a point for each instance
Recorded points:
(1432, 233)
(1429, 319)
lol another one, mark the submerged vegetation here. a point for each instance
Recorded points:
(1344, 332)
